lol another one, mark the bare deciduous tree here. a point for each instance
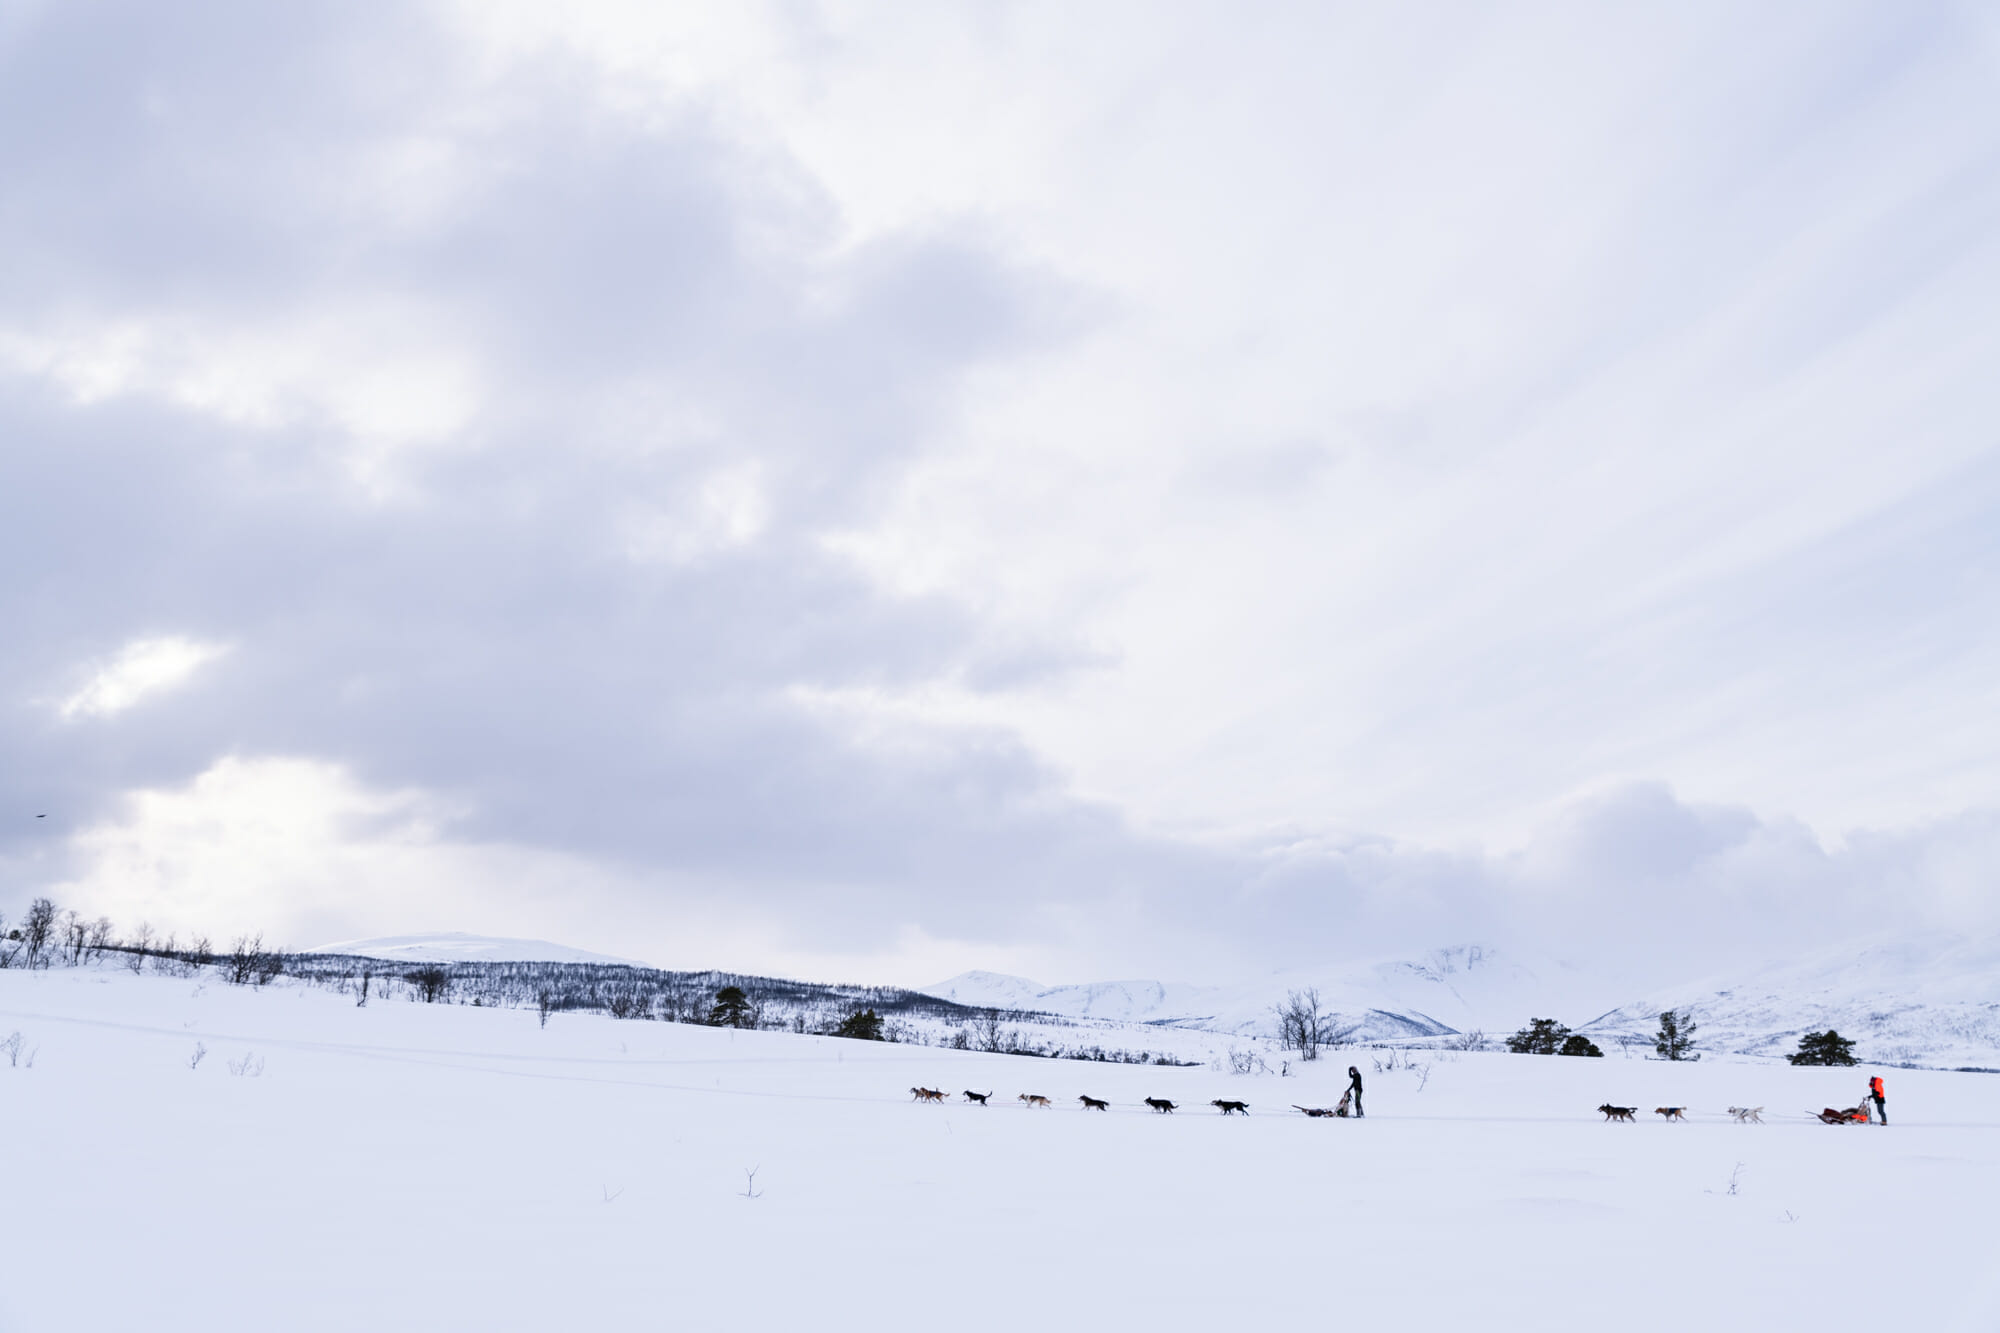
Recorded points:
(1301, 1025)
(100, 937)
(431, 982)
(75, 937)
(139, 946)
(37, 931)
(244, 957)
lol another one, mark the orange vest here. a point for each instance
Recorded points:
(1875, 1086)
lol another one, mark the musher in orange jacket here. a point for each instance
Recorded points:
(1875, 1094)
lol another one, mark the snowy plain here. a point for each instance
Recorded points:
(439, 1167)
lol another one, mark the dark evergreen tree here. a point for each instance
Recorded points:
(1823, 1048)
(1675, 1039)
(1578, 1044)
(732, 1009)
(862, 1025)
(1542, 1036)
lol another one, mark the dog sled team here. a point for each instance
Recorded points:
(1350, 1101)
(1036, 1100)
(1873, 1108)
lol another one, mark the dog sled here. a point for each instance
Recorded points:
(1343, 1109)
(1853, 1115)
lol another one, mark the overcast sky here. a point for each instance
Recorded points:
(1083, 490)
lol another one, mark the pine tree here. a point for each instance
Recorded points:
(862, 1025)
(1675, 1039)
(1542, 1036)
(1578, 1044)
(732, 1009)
(1823, 1048)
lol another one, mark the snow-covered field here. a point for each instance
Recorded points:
(440, 1167)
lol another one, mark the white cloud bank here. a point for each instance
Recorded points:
(139, 671)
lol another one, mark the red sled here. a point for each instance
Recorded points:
(1853, 1115)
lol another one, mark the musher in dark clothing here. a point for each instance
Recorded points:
(1354, 1088)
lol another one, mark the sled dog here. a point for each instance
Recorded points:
(1617, 1112)
(1160, 1104)
(1240, 1108)
(926, 1095)
(1034, 1099)
(979, 1097)
(1671, 1112)
(1747, 1115)
(1093, 1104)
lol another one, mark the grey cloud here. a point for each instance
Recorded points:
(487, 638)
(643, 308)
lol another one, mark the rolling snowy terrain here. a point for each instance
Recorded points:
(1448, 990)
(401, 1165)
(1930, 1000)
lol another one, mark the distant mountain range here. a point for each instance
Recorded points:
(1446, 991)
(458, 947)
(1929, 999)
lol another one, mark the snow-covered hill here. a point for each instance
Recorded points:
(457, 947)
(1461, 989)
(1919, 999)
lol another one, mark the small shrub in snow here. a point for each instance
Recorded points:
(250, 1065)
(1246, 1062)
(13, 1048)
(194, 1061)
